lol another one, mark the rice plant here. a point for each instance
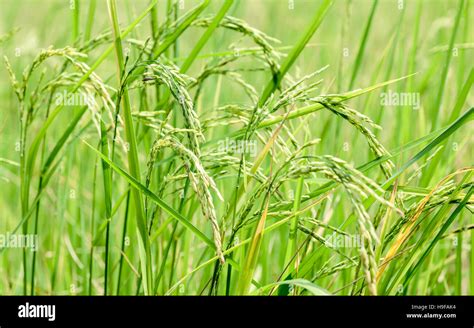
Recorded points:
(203, 147)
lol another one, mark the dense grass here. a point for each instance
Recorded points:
(237, 147)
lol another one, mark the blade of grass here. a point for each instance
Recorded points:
(303, 283)
(463, 119)
(362, 45)
(75, 20)
(36, 142)
(246, 276)
(92, 226)
(207, 34)
(38, 139)
(90, 20)
(109, 49)
(295, 52)
(461, 99)
(122, 249)
(291, 246)
(444, 75)
(242, 243)
(445, 226)
(193, 14)
(147, 192)
(459, 261)
(411, 226)
(132, 153)
(315, 107)
(107, 181)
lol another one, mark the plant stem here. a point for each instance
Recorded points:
(132, 155)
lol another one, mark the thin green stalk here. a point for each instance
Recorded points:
(132, 155)
(107, 180)
(194, 13)
(75, 20)
(237, 246)
(271, 87)
(315, 107)
(251, 259)
(90, 20)
(171, 239)
(147, 192)
(459, 261)
(291, 246)
(362, 45)
(154, 26)
(92, 230)
(409, 267)
(207, 34)
(295, 52)
(439, 96)
(155, 30)
(109, 49)
(460, 101)
(40, 186)
(122, 248)
(466, 117)
(26, 166)
(441, 232)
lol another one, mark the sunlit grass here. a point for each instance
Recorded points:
(214, 159)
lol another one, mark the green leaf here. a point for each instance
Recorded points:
(303, 283)
(147, 192)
